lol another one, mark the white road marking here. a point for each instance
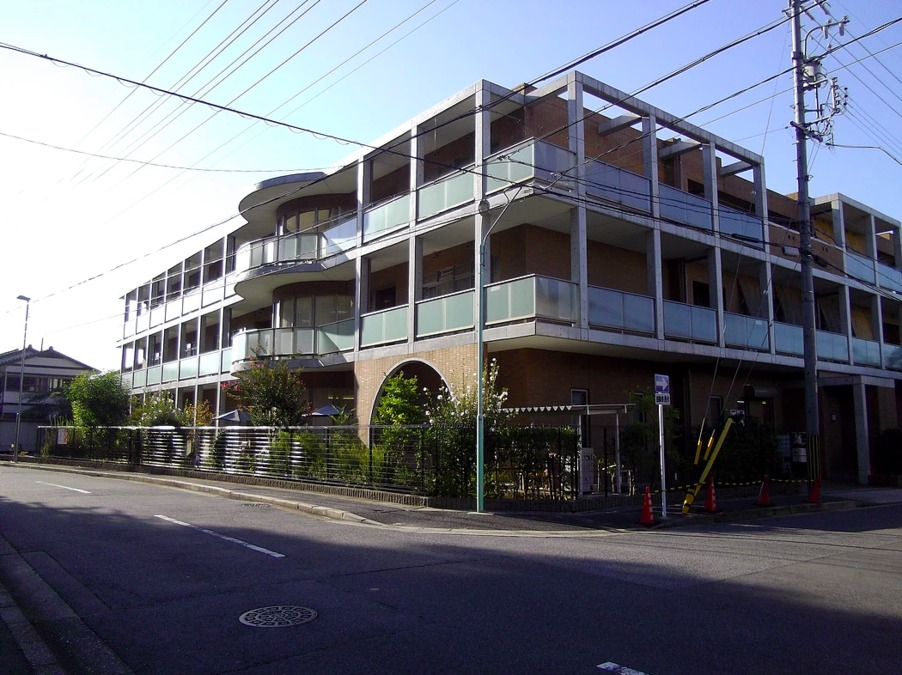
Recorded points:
(259, 549)
(609, 667)
(84, 492)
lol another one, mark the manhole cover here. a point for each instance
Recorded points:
(277, 616)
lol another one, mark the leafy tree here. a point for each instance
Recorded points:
(274, 395)
(98, 399)
(399, 404)
(460, 408)
(200, 415)
(157, 411)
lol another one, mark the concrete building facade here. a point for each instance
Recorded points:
(619, 241)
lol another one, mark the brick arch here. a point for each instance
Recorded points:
(426, 373)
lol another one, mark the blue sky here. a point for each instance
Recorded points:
(68, 218)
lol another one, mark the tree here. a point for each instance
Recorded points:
(399, 404)
(158, 411)
(98, 399)
(274, 395)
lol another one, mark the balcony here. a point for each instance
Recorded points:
(531, 160)
(865, 352)
(745, 332)
(618, 185)
(741, 225)
(789, 339)
(383, 327)
(386, 217)
(688, 322)
(297, 247)
(311, 342)
(620, 311)
(531, 297)
(687, 209)
(832, 347)
(447, 314)
(445, 194)
(888, 277)
(860, 267)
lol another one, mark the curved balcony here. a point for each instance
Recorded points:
(307, 342)
(297, 247)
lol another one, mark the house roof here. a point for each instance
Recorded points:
(15, 356)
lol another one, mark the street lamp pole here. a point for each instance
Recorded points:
(484, 212)
(27, 302)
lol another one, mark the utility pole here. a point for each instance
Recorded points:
(807, 76)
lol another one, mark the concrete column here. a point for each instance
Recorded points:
(483, 141)
(862, 435)
(364, 183)
(414, 283)
(709, 167)
(839, 224)
(766, 311)
(416, 173)
(579, 265)
(653, 265)
(761, 202)
(361, 296)
(715, 281)
(650, 160)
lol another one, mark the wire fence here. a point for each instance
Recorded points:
(520, 463)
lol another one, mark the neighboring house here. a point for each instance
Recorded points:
(45, 371)
(619, 242)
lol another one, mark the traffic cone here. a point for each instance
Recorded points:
(647, 516)
(710, 499)
(814, 494)
(764, 492)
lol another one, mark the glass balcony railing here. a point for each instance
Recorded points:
(618, 185)
(617, 310)
(446, 314)
(531, 160)
(789, 339)
(860, 267)
(384, 326)
(170, 371)
(338, 238)
(386, 217)
(887, 276)
(532, 297)
(685, 208)
(335, 337)
(293, 341)
(832, 347)
(209, 364)
(688, 322)
(444, 194)
(742, 225)
(154, 375)
(892, 355)
(746, 332)
(865, 352)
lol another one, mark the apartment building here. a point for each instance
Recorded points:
(618, 242)
(35, 375)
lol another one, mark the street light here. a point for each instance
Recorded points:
(484, 211)
(27, 302)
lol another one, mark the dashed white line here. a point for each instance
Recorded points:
(64, 487)
(259, 549)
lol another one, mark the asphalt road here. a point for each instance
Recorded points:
(122, 576)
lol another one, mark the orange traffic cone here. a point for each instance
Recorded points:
(814, 495)
(764, 492)
(647, 516)
(710, 499)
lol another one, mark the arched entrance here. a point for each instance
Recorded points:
(429, 381)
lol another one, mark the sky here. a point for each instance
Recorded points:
(103, 185)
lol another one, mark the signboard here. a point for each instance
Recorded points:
(662, 389)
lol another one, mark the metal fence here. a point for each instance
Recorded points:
(522, 463)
